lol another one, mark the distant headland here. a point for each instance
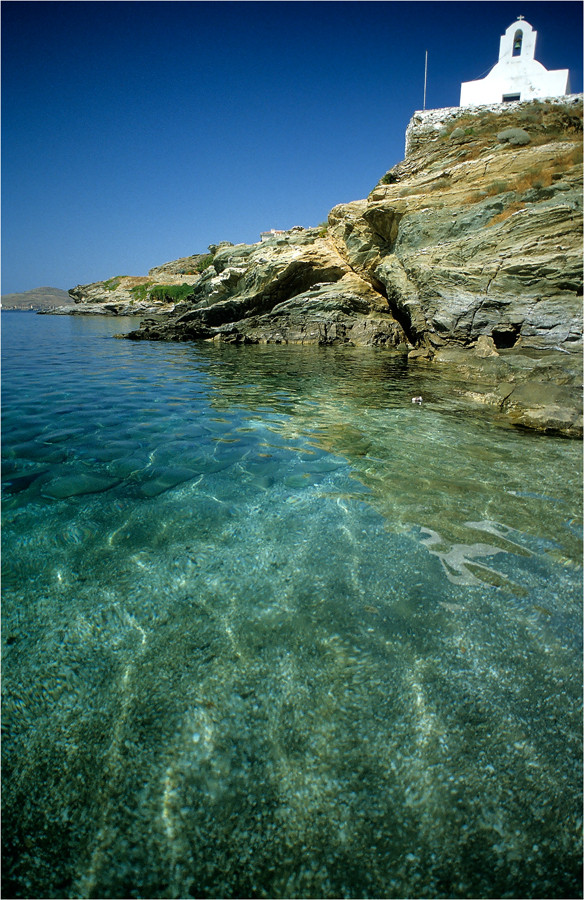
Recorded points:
(40, 299)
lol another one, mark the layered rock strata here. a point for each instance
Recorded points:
(297, 288)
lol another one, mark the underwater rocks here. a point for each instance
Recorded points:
(539, 391)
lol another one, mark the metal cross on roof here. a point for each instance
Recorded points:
(520, 18)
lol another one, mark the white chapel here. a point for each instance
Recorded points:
(517, 75)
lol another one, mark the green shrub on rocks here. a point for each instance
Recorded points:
(170, 293)
(517, 137)
(390, 177)
(204, 262)
(112, 283)
(462, 134)
(140, 291)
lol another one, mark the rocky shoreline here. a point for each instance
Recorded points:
(467, 256)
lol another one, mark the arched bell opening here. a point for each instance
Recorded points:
(517, 42)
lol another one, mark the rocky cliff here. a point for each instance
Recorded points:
(468, 253)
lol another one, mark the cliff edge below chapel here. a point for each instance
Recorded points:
(467, 254)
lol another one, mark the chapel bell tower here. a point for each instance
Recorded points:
(517, 75)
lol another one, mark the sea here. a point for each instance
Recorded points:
(270, 629)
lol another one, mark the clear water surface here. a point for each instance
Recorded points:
(270, 629)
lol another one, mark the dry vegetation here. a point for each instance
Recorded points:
(472, 135)
(506, 213)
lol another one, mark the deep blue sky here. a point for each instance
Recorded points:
(134, 133)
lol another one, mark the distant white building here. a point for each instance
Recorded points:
(273, 232)
(517, 75)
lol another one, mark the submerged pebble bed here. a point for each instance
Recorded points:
(270, 629)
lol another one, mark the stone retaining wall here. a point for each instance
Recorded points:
(426, 123)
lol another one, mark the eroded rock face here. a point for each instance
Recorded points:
(490, 234)
(292, 289)
(508, 263)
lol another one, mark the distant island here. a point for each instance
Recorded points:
(38, 299)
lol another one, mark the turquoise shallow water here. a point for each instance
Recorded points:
(270, 629)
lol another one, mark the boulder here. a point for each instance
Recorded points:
(517, 137)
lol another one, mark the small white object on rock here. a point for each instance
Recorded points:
(416, 399)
